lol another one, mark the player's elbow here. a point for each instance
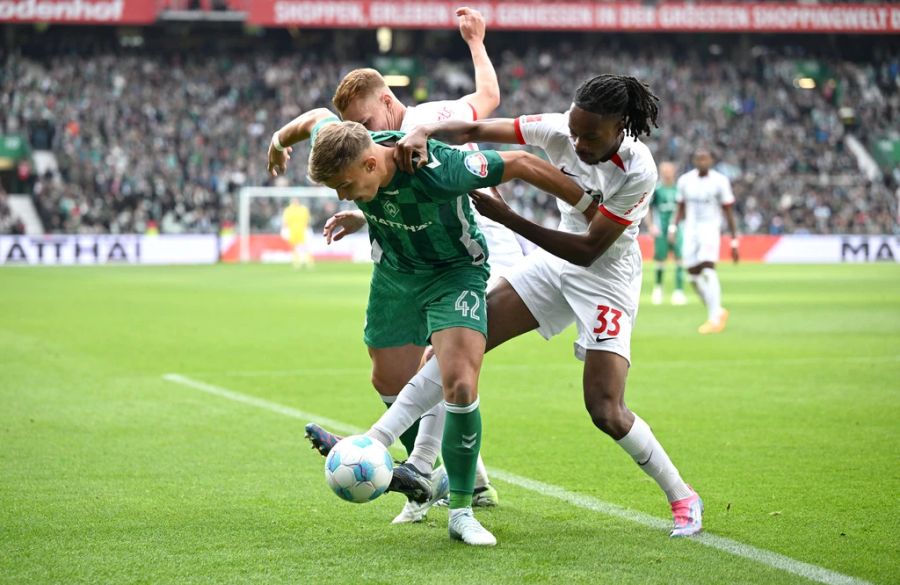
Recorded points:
(590, 252)
(489, 97)
(583, 255)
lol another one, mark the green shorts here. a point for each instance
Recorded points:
(409, 308)
(661, 246)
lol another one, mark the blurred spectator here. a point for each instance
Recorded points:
(159, 141)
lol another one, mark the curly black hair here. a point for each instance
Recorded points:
(623, 95)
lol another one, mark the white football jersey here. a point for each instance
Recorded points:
(431, 112)
(703, 197)
(460, 109)
(623, 186)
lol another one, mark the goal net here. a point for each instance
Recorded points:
(259, 237)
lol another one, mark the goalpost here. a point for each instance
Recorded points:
(247, 194)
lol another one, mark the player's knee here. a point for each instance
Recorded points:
(609, 416)
(460, 391)
(386, 384)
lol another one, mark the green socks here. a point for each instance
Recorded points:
(462, 442)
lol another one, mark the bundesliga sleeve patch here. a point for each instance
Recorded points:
(477, 164)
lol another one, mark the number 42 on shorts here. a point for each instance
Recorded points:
(462, 304)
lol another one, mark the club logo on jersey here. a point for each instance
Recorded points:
(391, 208)
(477, 164)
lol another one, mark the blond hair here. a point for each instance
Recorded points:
(337, 146)
(359, 83)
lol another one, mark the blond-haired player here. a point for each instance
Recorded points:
(430, 274)
(589, 272)
(294, 228)
(363, 96)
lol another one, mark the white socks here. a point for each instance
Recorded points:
(428, 440)
(481, 476)
(419, 396)
(652, 458)
(710, 291)
(422, 397)
(713, 294)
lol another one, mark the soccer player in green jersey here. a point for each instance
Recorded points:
(431, 271)
(662, 209)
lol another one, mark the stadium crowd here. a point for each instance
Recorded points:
(157, 141)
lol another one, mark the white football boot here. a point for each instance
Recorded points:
(463, 526)
(415, 512)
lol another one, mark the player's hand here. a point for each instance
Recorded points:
(491, 205)
(671, 235)
(471, 25)
(411, 151)
(341, 224)
(654, 230)
(278, 160)
(735, 254)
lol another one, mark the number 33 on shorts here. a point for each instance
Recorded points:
(463, 306)
(607, 322)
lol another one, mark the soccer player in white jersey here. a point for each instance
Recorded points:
(364, 97)
(701, 194)
(589, 272)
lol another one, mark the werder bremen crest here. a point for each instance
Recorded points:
(391, 208)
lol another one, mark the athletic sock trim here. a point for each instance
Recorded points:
(462, 408)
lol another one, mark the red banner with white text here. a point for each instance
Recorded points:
(425, 14)
(79, 11)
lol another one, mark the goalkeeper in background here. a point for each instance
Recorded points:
(294, 230)
(662, 209)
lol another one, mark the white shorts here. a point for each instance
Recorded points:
(504, 252)
(701, 244)
(602, 301)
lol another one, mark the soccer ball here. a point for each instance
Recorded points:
(358, 469)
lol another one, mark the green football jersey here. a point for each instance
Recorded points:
(663, 204)
(422, 223)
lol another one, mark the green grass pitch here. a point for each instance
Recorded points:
(788, 424)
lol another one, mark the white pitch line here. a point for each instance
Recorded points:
(759, 555)
(260, 403)
(739, 549)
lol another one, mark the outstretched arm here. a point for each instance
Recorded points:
(297, 130)
(411, 152)
(581, 249)
(518, 164)
(487, 89)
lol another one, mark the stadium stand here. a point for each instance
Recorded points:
(161, 140)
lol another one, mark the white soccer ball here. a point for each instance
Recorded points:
(358, 469)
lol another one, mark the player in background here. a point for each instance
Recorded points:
(430, 274)
(659, 216)
(589, 272)
(701, 193)
(294, 228)
(364, 97)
